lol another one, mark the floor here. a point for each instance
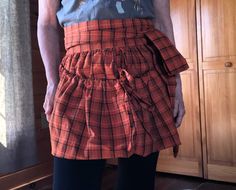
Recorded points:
(164, 181)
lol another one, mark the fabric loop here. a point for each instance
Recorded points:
(127, 82)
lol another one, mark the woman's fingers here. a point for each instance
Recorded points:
(176, 108)
(49, 101)
(48, 116)
(179, 110)
(175, 150)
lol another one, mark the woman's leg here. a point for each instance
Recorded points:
(137, 172)
(77, 174)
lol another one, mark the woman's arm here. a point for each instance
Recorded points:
(163, 22)
(162, 19)
(48, 38)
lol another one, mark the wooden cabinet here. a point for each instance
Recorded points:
(217, 74)
(205, 33)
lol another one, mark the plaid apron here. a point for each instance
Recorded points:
(116, 91)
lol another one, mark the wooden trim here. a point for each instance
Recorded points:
(26, 176)
(197, 83)
(222, 173)
(201, 90)
(182, 167)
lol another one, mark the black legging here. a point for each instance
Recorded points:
(135, 172)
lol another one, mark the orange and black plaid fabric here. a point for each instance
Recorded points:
(116, 91)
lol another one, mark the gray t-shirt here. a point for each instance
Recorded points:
(75, 11)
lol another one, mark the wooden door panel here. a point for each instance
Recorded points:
(218, 29)
(189, 133)
(220, 106)
(183, 19)
(220, 111)
(217, 46)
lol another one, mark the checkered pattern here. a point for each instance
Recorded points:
(116, 91)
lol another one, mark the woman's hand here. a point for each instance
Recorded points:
(49, 100)
(48, 39)
(163, 22)
(179, 109)
(175, 150)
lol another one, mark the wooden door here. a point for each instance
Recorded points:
(217, 69)
(189, 160)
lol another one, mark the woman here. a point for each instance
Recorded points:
(117, 92)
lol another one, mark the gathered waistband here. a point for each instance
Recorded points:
(117, 33)
(101, 34)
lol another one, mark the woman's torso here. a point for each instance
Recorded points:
(75, 11)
